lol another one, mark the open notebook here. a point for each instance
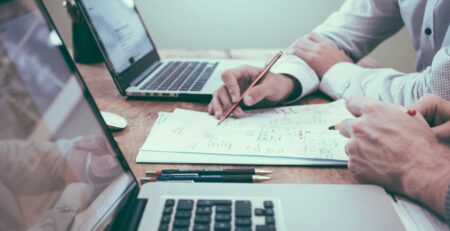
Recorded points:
(296, 135)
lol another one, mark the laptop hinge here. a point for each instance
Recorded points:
(129, 217)
(146, 73)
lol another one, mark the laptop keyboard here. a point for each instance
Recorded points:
(181, 76)
(204, 214)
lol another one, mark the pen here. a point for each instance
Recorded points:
(411, 112)
(208, 178)
(238, 171)
(260, 76)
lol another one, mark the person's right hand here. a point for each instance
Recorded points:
(436, 111)
(273, 89)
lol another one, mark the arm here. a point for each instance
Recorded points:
(361, 25)
(389, 85)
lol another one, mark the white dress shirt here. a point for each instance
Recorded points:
(358, 27)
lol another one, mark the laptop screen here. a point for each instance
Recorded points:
(121, 31)
(122, 38)
(59, 169)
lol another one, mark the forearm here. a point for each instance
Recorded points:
(428, 181)
(389, 85)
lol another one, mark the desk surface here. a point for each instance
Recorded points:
(142, 114)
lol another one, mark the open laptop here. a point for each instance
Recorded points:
(61, 169)
(133, 59)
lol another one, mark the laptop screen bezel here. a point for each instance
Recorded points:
(134, 185)
(124, 78)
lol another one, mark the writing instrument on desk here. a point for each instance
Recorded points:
(208, 178)
(256, 81)
(238, 171)
(411, 112)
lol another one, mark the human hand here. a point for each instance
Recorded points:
(273, 89)
(398, 151)
(319, 53)
(437, 113)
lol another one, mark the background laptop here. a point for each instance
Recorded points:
(62, 170)
(133, 60)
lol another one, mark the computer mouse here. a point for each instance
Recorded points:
(114, 121)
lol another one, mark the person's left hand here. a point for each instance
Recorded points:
(319, 53)
(400, 152)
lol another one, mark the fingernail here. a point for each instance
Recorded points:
(234, 98)
(248, 100)
(216, 113)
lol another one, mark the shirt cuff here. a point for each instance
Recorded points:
(338, 81)
(297, 68)
(447, 206)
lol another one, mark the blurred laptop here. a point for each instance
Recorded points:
(133, 59)
(61, 169)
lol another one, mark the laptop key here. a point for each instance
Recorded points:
(243, 222)
(168, 211)
(185, 205)
(170, 203)
(265, 228)
(165, 219)
(181, 223)
(270, 220)
(222, 217)
(203, 210)
(202, 219)
(222, 226)
(243, 208)
(201, 227)
(221, 202)
(183, 215)
(269, 212)
(223, 209)
(164, 227)
(268, 204)
(201, 203)
(243, 229)
(188, 84)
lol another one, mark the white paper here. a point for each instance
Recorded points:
(294, 132)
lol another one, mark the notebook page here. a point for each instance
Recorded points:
(298, 131)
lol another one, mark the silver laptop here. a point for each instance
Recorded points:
(61, 169)
(133, 59)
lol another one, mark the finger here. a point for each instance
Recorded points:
(358, 104)
(346, 127)
(442, 131)
(351, 148)
(305, 55)
(224, 98)
(238, 112)
(305, 44)
(316, 38)
(217, 107)
(232, 78)
(257, 93)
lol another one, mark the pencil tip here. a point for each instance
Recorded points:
(332, 128)
(219, 122)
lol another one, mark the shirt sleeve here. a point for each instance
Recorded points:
(297, 68)
(360, 25)
(389, 85)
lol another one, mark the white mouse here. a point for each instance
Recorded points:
(114, 121)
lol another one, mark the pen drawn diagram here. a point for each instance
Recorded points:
(297, 132)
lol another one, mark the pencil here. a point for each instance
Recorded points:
(260, 76)
(411, 112)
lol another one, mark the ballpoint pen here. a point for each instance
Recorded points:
(236, 171)
(208, 178)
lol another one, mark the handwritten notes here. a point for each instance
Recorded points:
(298, 131)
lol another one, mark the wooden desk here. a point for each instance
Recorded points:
(142, 114)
